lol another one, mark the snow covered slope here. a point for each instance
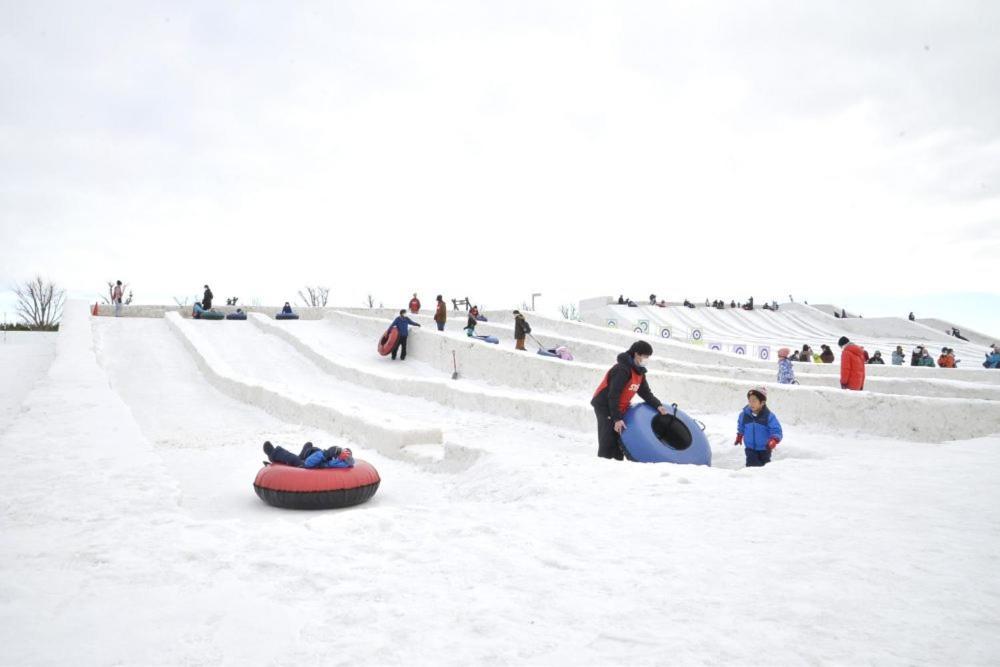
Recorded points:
(132, 534)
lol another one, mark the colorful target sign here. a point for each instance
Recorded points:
(715, 346)
(764, 352)
(739, 349)
(644, 326)
(696, 334)
(665, 332)
(638, 330)
(613, 324)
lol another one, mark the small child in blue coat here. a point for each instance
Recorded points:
(310, 456)
(757, 429)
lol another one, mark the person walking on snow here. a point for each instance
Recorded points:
(852, 365)
(786, 374)
(116, 298)
(521, 329)
(206, 301)
(402, 325)
(414, 304)
(440, 313)
(614, 395)
(757, 429)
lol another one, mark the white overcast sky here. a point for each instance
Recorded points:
(571, 148)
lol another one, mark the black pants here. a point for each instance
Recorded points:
(609, 445)
(282, 455)
(757, 458)
(400, 343)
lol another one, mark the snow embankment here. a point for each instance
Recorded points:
(367, 426)
(906, 417)
(824, 375)
(700, 354)
(502, 402)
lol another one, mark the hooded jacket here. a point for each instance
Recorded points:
(521, 327)
(441, 314)
(852, 367)
(622, 381)
(757, 429)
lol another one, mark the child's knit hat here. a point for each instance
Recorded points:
(759, 392)
(783, 353)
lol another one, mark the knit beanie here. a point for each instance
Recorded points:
(759, 392)
(843, 341)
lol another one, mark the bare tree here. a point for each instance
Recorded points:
(315, 297)
(39, 303)
(126, 300)
(371, 301)
(570, 312)
(179, 302)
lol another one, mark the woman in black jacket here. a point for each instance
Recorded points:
(614, 395)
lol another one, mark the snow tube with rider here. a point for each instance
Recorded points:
(316, 489)
(211, 315)
(286, 316)
(236, 316)
(672, 438)
(548, 353)
(388, 341)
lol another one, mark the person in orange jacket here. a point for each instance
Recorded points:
(946, 360)
(414, 304)
(852, 365)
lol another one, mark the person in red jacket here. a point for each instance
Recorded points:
(852, 365)
(614, 395)
(414, 304)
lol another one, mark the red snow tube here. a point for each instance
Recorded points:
(316, 489)
(388, 341)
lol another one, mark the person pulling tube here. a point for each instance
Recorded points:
(614, 395)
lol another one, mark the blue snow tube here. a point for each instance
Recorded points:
(671, 438)
(548, 353)
(488, 339)
(236, 316)
(286, 316)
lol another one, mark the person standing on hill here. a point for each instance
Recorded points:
(116, 298)
(852, 365)
(614, 395)
(206, 301)
(521, 329)
(414, 304)
(402, 325)
(440, 313)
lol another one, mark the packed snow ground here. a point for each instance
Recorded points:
(131, 533)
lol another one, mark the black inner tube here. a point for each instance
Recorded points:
(672, 432)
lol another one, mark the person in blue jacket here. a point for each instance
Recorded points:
(286, 309)
(757, 429)
(310, 456)
(992, 357)
(402, 324)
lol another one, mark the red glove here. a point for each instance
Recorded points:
(739, 439)
(772, 443)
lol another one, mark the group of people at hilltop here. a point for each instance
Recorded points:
(402, 324)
